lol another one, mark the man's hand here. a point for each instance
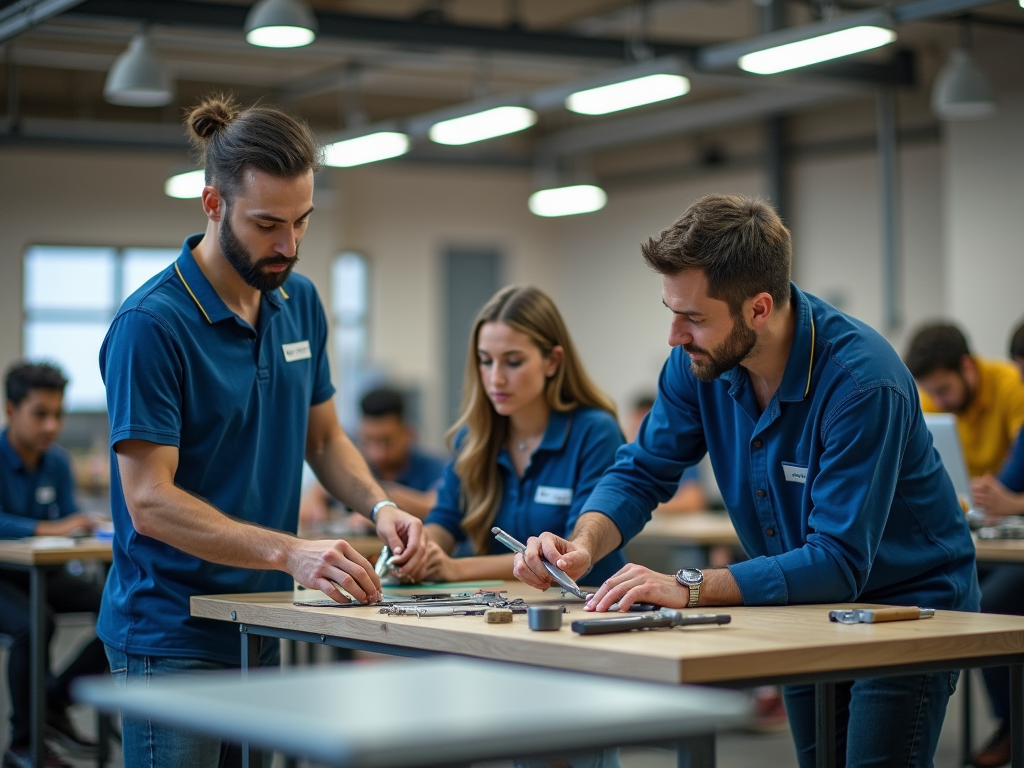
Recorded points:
(403, 533)
(65, 525)
(569, 556)
(995, 498)
(637, 584)
(327, 565)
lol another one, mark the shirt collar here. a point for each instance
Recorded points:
(555, 436)
(9, 454)
(202, 292)
(796, 380)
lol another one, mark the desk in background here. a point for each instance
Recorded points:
(38, 556)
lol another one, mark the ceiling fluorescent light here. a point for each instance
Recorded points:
(185, 186)
(567, 201)
(815, 50)
(802, 46)
(138, 78)
(370, 148)
(627, 94)
(479, 126)
(280, 24)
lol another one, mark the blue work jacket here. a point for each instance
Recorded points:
(28, 496)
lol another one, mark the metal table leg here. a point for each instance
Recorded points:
(825, 727)
(968, 717)
(250, 655)
(1017, 715)
(38, 667)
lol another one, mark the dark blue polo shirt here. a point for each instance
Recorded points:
(1012, 473)
(422, 472)
(182, 369)
(835, 490)
(26, 497)
(552, 493)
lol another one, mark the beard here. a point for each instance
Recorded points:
(250, 270)
(730, 353)
(968, 398)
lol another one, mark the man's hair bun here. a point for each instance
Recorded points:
(210, 116)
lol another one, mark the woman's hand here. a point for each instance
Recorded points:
(437, 565)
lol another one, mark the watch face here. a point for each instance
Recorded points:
(691, 576)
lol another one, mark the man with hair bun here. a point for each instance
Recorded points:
(217, 388)
(817, 439)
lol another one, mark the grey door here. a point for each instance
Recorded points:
(471, 277)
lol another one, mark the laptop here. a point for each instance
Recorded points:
(947, 442)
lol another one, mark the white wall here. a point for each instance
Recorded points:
(984, 224)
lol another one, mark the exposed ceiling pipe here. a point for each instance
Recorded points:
(25, 14)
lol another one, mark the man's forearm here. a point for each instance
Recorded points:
(341, 469)
(596, 533)
(192, 525)
(719, 588)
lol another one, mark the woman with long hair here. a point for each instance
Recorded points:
(533, 437)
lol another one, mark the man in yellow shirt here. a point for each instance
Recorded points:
(987, 396)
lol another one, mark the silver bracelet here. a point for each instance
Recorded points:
(377, 508)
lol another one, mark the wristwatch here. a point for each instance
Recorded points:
(691, 578)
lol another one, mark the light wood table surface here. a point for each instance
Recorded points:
(999, 550)
(38, 555)
(778, 641)
(696, 529)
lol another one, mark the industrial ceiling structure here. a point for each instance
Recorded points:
(404, 65)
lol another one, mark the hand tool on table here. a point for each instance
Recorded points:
(878, 615)
(666, 617)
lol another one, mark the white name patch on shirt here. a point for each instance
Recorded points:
(46, 494)
(795, 474)
(547, 494)
(297, 350)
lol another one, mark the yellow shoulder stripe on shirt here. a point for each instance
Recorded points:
(810, 367)
(192, 294)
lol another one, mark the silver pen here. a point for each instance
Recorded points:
(557, 574)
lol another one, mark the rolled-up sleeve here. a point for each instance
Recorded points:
(851, 496)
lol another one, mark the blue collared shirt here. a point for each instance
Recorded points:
(422, 472)
(1012, 473)
(577, 447)
(835, 490)
(182, 369)
(28, 496)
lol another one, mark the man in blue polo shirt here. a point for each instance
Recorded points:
(37, 498)
(217, 388)
(816, 436)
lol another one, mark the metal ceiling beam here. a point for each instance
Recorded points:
(23, 15)
(383, 30)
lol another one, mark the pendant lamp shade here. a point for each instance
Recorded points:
(280, 24)
(138, 78)
(962, 91)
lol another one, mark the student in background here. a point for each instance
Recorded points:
(388, 443)
(531, 441)
(1002, 588)
(37, 498)
(986, 396)
(689, 497)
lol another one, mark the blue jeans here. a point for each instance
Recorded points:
(1002, 591)
(883, 721)
(152, 745)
